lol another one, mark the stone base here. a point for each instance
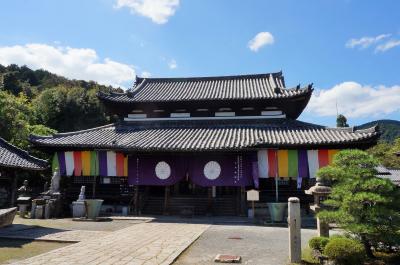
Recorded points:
(7, 216)
(78, 209)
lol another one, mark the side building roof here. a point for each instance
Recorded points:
(389, 173)
(14, 157)
(236, 87)
(221, 135)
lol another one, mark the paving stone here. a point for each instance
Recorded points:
(144, 243)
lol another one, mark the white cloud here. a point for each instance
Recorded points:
(158, 11)
(365, 42)
(260, 40)
(355, 100)
(74, 63)
(172, 64)
(387, 45)
(146, 74)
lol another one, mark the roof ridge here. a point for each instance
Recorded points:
(274, 74)
(33, 136)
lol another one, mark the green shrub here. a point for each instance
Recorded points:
(318, 243)
(345, 251)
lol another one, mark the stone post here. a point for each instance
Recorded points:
(294, 221)
(322, 228)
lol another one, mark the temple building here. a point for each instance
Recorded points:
(12, 161)
(200, 142)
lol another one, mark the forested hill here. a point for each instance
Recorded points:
(39, 102)
(16, 79)
(390, 129)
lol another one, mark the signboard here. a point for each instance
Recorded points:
(253, 195)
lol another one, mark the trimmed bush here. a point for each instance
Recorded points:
(318, 243)
(345, 251)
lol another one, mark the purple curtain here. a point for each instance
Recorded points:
(142, 170)
(224, 170)
(221, 170)
(303, 167)
(103, 163)
(61, 163)
(303, 164)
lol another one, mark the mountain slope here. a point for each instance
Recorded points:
(390, 129)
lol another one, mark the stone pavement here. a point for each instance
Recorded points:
(50, 234)
(145, 244)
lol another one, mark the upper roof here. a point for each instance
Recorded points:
(237, 87)
(210, 135)
(12, 156)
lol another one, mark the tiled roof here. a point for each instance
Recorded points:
(12, 156)
(258, 86)
(206, 136)
(390, 173)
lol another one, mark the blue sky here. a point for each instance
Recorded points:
(349, 49)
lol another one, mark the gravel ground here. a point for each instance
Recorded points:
(256, 244)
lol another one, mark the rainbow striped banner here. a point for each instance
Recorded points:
(91, 163)
(293, 163)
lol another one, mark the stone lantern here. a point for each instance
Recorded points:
(320, 191)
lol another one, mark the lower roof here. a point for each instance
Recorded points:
(228, 135)
(14, 157)
(389, 173)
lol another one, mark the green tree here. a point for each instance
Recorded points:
(17, 119)
(69, 108)
(385, 153)
(341, 121)
(362, 204)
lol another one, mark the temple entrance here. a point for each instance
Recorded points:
(187, 197)
(186, 188)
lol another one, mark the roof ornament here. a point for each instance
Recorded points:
(298, 87)
(309, 87)
(277, 90)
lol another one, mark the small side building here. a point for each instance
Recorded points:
(12, 161)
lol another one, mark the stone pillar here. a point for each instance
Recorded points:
(322, 228)
(294, 221)
(33, 209)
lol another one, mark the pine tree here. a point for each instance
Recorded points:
(341, 121)
(362, 204)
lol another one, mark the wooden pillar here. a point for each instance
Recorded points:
(237, 189)
(209, 201)
(136, 200)
(243, 208)
(94, 187)
(166, 199)
(13, 188)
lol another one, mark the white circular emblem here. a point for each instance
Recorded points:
(163, 170)
(212, 170)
